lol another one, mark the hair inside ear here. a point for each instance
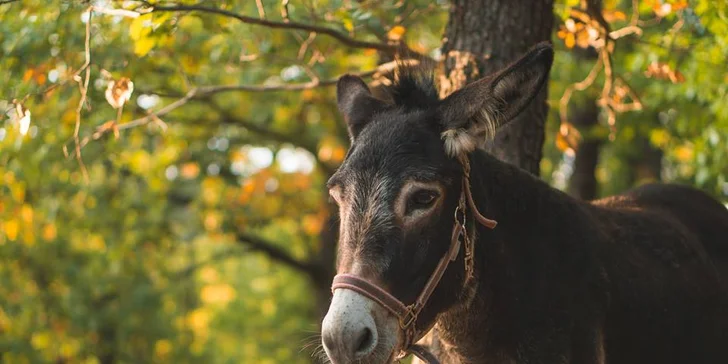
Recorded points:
(474, 113)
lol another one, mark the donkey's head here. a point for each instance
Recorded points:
(397, 192)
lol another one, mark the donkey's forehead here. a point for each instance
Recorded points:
(400, 146)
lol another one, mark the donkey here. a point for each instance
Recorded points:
(633, 278)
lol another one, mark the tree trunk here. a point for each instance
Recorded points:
(583, 182)
(645, 166)
(481, 38)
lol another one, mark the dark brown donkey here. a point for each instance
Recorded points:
(634, 278)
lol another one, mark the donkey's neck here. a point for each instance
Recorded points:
(529, 213)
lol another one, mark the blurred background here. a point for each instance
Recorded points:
(162, 168)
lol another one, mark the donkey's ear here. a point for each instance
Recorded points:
(473, 113)
(356, 103)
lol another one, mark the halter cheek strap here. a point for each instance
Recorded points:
(407, 314)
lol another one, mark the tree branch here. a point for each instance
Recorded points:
(256, 243)
(207, 91)
(188, 271)
(333, 33)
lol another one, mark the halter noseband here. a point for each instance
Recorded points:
(407, 314)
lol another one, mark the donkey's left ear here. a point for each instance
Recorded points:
(476, 111)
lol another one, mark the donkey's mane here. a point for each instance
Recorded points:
(413, 86)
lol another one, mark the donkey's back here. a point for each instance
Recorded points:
(666, 258)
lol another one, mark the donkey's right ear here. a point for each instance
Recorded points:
(356, 103)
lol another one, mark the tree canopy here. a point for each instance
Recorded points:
(163, 162)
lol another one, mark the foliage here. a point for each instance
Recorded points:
(193, 235)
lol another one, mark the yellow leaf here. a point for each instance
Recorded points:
(138, 28)
(69, 349)
(91, 360)
(217, 293)
(11, 228)
(143, 46)
(659, 138)
(348, 24)
(190, 64)
(396, 32)
(684, 153)
(49, 232)
(211, 190)
(4, 321)
(268, 307)
(96, 243)
(209, 274)
(18, 192)
(41, 340)
(140, 162)
(26, 213)
(162, 348)
(212, 221)
(198, 320)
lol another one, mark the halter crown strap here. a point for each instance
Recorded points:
(407, 314)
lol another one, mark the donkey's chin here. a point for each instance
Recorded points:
(389, 343)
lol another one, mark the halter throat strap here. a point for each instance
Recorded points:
(407, 314)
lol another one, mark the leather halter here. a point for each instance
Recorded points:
(407, 314)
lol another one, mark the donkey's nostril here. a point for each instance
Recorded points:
(364, 343)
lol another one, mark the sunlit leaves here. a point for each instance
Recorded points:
(11, 228)
(662, 8)
(396, 33)
(140, 31)
(577, 33)
(219, 293)
(664, 71)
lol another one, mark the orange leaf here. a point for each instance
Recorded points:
(40, 78)
(570, 40)
(27, 75)
(190, 170)
(396, 32)
(614, 15)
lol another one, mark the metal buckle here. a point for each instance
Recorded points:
(409, 318)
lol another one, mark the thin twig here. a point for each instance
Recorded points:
(578, 86)
(261, 9)
(284, 11)
(341, 37)
(257, 243)
(207, 91)
(304, 46)
(84, 92)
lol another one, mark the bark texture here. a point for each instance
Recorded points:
(482, 37)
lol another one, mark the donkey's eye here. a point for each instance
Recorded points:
(422, 199)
